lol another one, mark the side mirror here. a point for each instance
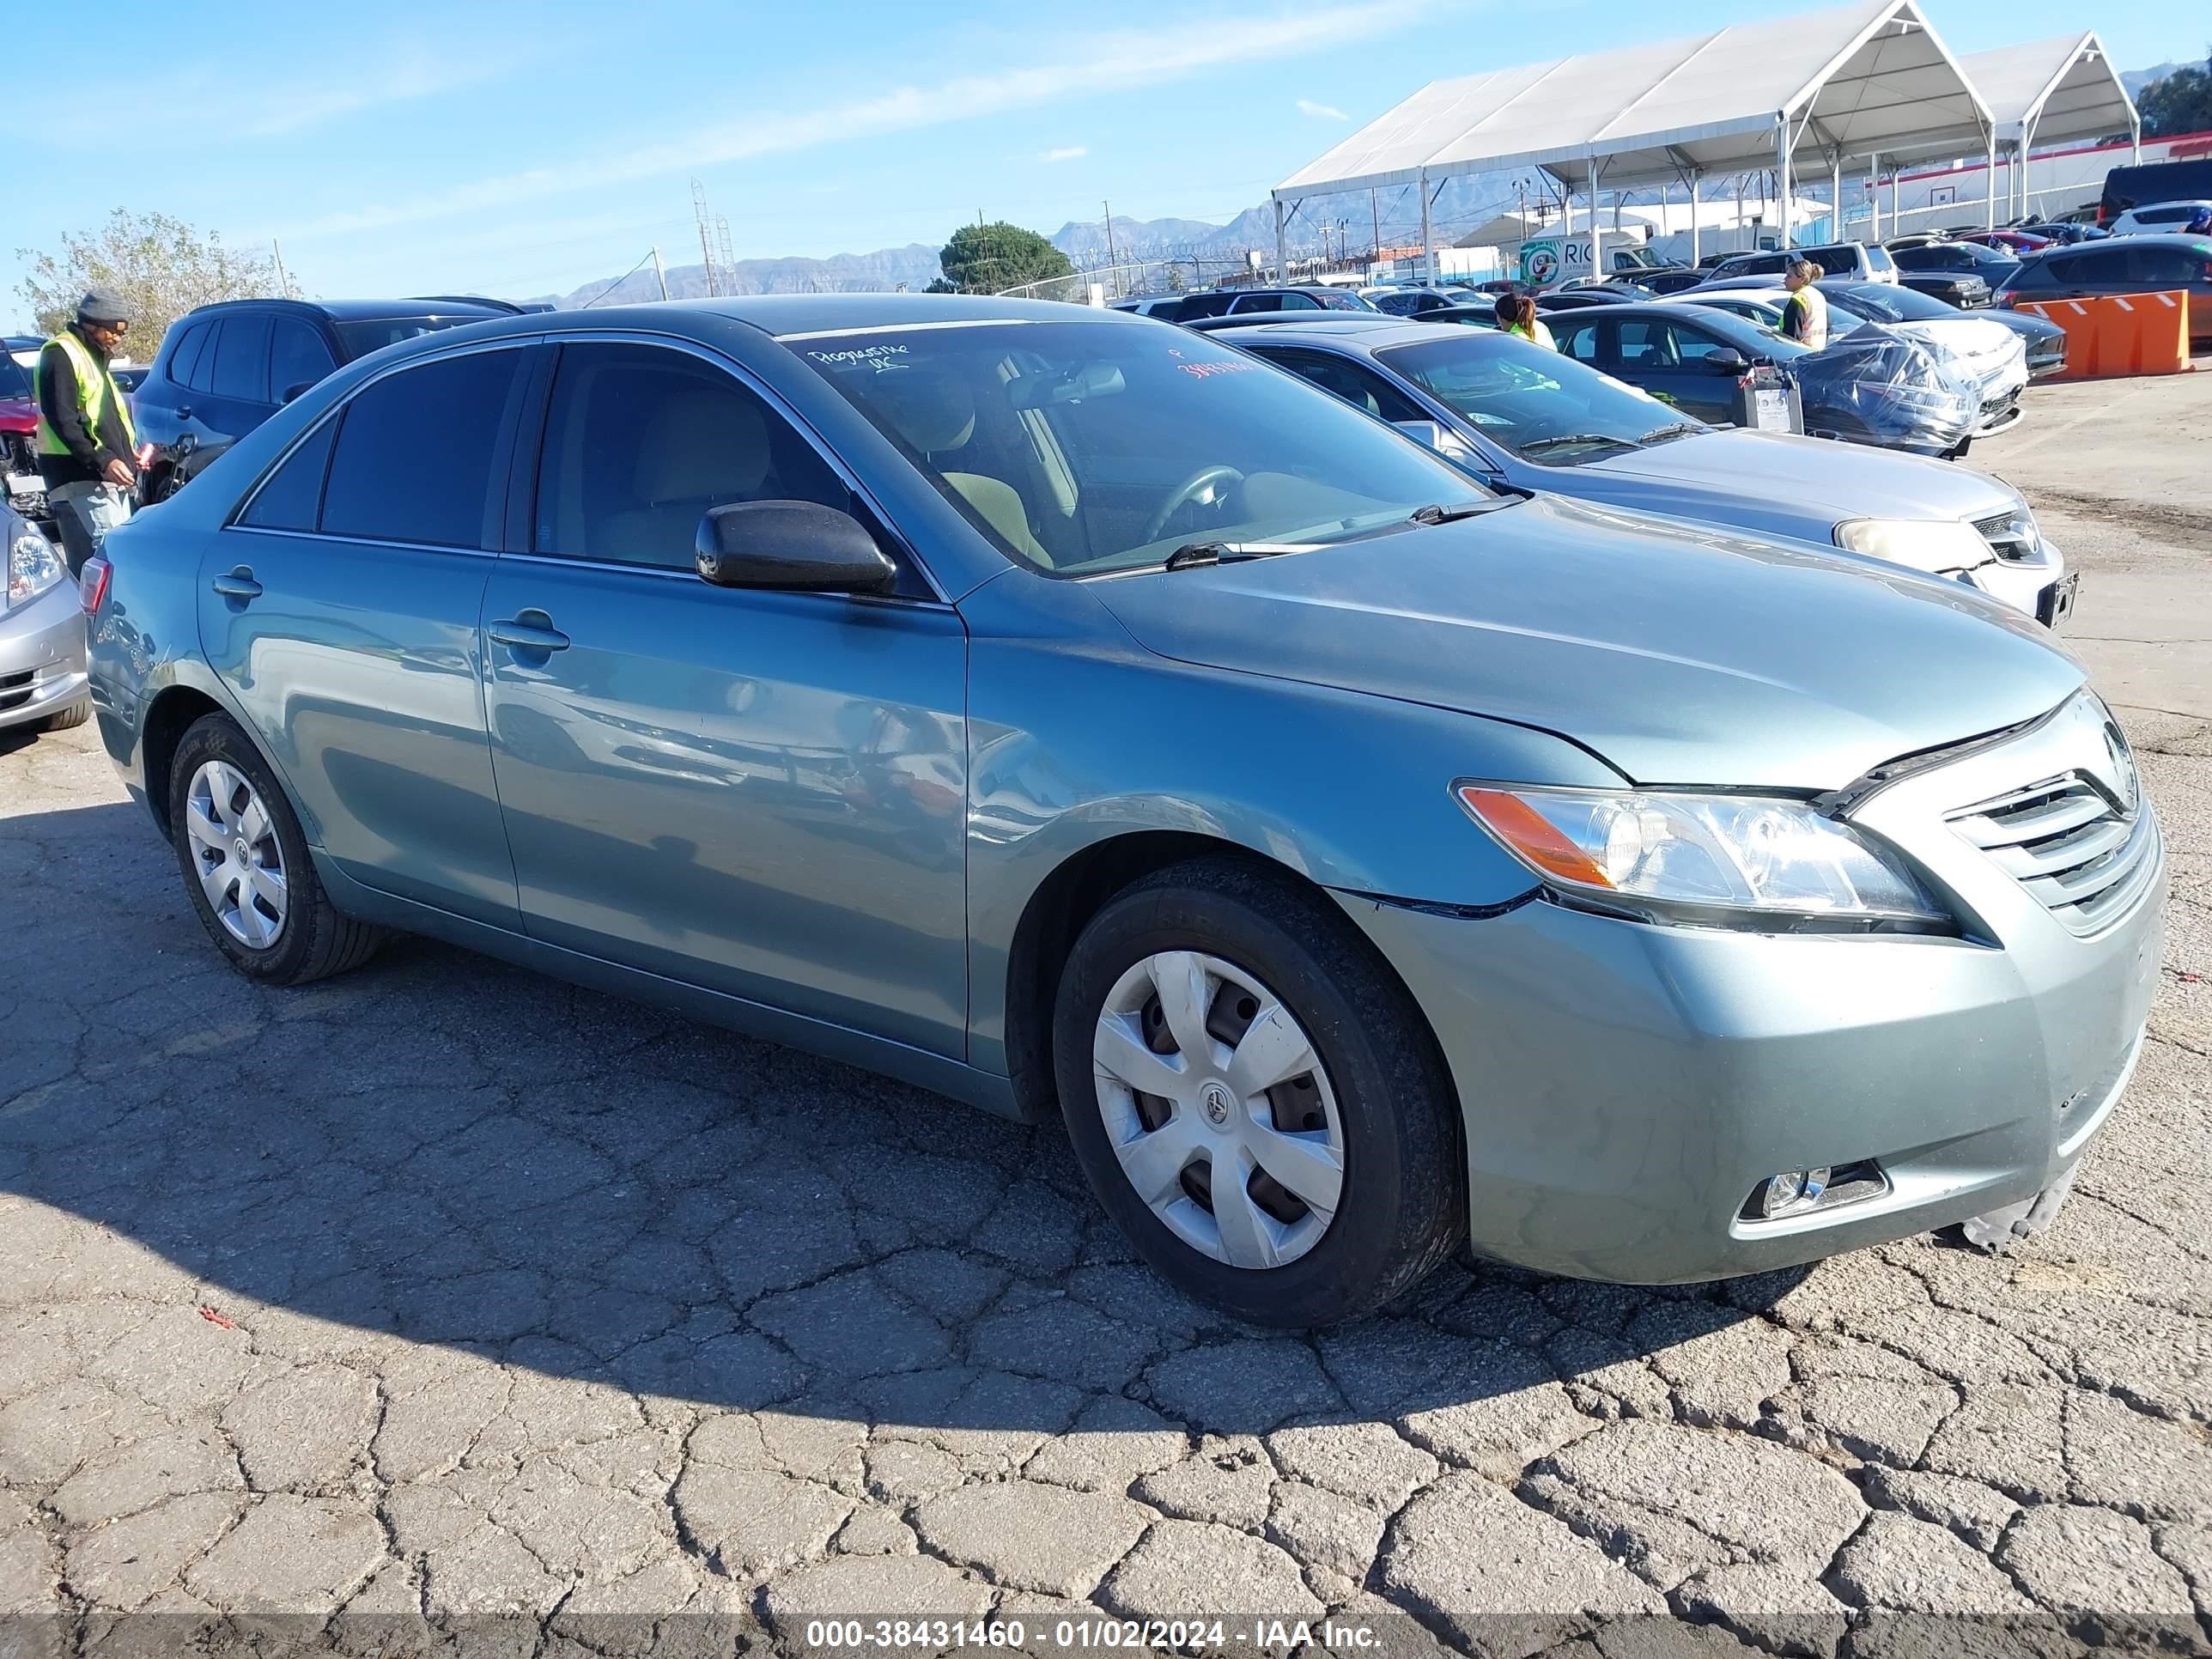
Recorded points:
(292, 391)
(1727, 361)
(796, 547)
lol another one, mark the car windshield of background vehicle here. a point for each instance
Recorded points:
(1893, 302)
(15, 376)
(1534, 402)
(363, 337)
(1088, 448)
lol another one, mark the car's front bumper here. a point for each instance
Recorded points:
(1628, 1087)
(41, 656)
(2041, 588)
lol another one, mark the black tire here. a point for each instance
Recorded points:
(315, 940)
(69, 718)
(1403, 1208)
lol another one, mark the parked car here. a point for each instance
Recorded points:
(2044, 342)
(1153, 305)
(1476, 316)
(1672, 281)
(1984, 352)
(1853, 260)
(1422, 930)
(1582, 299)
(1524, 419)
(2161, 218)
(1892, 393)
(1406, 301)
(1955, 259)
(2141, 183)
(1962, 290)
(2125, 265)
(128, 377)
(2067, 233)
(42, 681)
(19, 429)
(224, 368)
(2014, 242)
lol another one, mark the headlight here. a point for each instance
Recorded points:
(1718, 861)
(33, 567)
(1923, 544)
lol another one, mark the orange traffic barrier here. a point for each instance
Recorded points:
(2120, 333)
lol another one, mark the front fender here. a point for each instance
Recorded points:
(1078, 735)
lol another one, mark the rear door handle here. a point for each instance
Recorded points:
(532, 630)
(239, 585)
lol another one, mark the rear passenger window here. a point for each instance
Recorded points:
(241, 360)
(2164, 267)
(294, 492)
(1579, 342)
(297, 357)
(188, 344)
(641, 441)
(414, 457)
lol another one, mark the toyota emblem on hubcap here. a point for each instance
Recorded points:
(1215, 1099)
(245, 852)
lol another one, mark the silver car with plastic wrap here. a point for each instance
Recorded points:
(1065, 712)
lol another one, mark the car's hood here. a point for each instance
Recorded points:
(1778, 475)
(1682, 655)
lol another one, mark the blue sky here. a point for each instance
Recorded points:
(524, 149)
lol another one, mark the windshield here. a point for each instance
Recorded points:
(363, 337)
(1086, 448)
(1535, 402)
(1886, 302)
(15, 374)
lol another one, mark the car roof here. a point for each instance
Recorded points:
(2187, 242)
(1338, 323)
(1368, 333)
(349, 311)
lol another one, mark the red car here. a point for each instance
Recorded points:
(2012, 241)
(19, 423)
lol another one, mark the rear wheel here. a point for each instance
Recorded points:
(246, 866)
(1255, 1099)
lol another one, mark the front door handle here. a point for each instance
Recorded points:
(239, 585)
(531, 631)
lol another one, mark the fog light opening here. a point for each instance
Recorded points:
(1797, 1192)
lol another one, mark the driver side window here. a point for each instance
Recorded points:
(641, 441)
(1355, 385)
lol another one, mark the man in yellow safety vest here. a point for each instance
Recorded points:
(87, 447)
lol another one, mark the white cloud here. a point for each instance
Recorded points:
(1110, 63)
(1321, 112)
(416, 75)
(1064, 153)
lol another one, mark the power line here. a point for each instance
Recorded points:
(650, 254)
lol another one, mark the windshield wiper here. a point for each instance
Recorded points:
(1435, 514)
(1567, 440)
(1679, 429)
(1194, 553)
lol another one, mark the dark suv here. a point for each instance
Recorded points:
(2124, 265)
(224, 368)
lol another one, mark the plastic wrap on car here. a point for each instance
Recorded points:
(1874, 385)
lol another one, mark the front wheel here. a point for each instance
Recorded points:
(1255, 1099)
(246, 866)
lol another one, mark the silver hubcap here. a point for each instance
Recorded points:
(1218, 1108)
(241, 868)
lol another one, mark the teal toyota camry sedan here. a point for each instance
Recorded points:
(1069, 714)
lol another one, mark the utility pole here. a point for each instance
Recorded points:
(1110, 261)
(659, 273)
(725, 262)
(283, 282)
(1375, 213)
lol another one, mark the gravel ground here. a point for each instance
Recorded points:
(445, 1298)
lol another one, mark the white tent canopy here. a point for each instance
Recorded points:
(2050, 91)
(1850, 83)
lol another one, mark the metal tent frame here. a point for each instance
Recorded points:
(1856, 83)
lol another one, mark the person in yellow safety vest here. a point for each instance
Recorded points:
(87, 447)
(1805, 318)
(1517, 315)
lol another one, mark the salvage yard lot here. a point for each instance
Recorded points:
(444, 1290)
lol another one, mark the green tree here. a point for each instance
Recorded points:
(992, 259)
(2177, 103)
(161, 267)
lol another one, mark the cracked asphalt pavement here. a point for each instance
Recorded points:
(445, 1300)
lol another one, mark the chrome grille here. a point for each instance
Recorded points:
(2011, 536)
(2071, 845)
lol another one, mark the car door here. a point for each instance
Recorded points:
(233, 374)
(341, 608)
(1649, 351)
(298, 357)
(760, 793)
